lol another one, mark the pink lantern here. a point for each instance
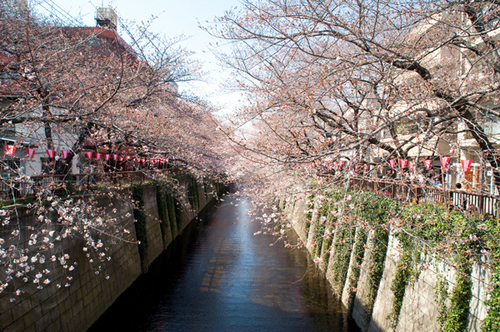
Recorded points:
(64, 153)
(50, 153)
(88, 154)
(403, 163)
(428, 164)
(392, 162)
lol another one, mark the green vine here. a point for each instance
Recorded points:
(441, 290)
(437, 231)
(492, 321)
(377, 261)
(405, 270)
(456, 318)
(359, 254)
(342, 249)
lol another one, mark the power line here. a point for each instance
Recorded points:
(56, 11)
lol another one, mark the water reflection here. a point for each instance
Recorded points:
(220, 277)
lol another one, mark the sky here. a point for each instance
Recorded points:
(175, 17)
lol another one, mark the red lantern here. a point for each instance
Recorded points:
(445, 161)
(31, 152)
(11, 149)
(466, 164)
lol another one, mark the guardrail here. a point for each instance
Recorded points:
(463, 200)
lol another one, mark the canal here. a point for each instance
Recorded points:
(219, 276)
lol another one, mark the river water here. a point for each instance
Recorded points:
(219, 276)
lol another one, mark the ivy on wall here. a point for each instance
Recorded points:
(357, 260)
(492, 321)
(423, 230)
(405, 271)
(441, 290)
(456, 317)
(377, 262)
(342, 249)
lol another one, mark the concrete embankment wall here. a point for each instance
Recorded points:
(75, 299)
(348, 271)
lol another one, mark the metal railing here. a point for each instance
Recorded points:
(468, 201)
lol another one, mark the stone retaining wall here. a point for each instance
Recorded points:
(86, 293)
(419, 311)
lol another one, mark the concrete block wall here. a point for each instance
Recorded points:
(153, 229)
(90, 292)
(85, 293)
(419, 311)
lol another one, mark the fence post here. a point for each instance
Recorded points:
(498, 212)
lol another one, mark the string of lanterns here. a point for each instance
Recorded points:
(11, 149)
(403, 163)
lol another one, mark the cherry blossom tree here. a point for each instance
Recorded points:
(367, 81)
(84, 89)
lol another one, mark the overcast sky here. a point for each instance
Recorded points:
(176, 17)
